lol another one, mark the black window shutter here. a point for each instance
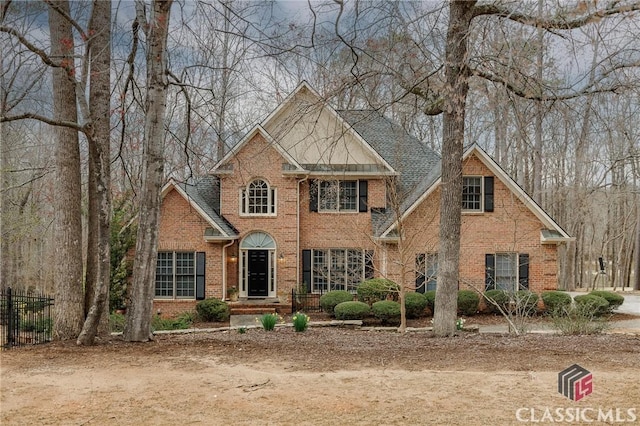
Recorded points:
(200, 268)
(488, 193)
(362, 197)
(489, 271)
(306, 269)
(420, 273)
(523, 271)
(313, 195)
(368, 264)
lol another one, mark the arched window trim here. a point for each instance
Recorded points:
(258, 198)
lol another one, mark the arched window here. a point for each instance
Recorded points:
(258, 198)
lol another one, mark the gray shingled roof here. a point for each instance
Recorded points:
(418, 166)
(206, 194)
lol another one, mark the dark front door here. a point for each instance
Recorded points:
(258, 270)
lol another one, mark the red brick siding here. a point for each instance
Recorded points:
(511, 227)
(182, 229)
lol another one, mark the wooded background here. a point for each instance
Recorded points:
(553, 95)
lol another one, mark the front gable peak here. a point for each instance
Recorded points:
(223, 165)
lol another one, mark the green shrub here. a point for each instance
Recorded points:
(351, 310)
(39, 325)
(387, 311)
(116, 323)
(578, 319)
(300, 321)
(592, 303)
(468, 301)
(556, 301)
(213, 310)
(499, 297)
(35, 305)
(329, 301)
(430, 297)
(180, 323)
(614, 299)
(414, 304)
(527, 302)
(376, 289)
(269, 321)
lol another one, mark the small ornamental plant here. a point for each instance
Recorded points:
(269, 321)
(460, 323)
(300, 321)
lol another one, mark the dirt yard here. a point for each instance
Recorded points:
(324, 376)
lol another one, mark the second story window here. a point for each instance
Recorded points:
(472, 193)
(258, 198)
(338, 195)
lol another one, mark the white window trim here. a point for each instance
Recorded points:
(328, 265)
(272, 194)
(337, 210)
(481, 210)
(174, 277)
(515, 264)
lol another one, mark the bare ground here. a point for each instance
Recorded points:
(322, 376)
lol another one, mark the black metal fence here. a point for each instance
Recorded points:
(25, 318)
(305, 302)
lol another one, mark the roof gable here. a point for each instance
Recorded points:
(313, 137)
(203, 197)
(258, 129)
(386, 223)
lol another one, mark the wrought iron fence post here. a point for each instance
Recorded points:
(10, 319)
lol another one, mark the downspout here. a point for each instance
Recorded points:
(298, 229)
(224, 269)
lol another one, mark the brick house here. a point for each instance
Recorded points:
(320, 198)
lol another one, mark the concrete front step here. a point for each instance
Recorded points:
(252, 310)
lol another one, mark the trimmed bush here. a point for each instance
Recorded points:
(387, 311)
(351, 310)
(556, 302)
(468, 301)
(500, 297)
(376, 289)
(527, 302)
(430, 297)
(329, 301)
(414, 304)
(213, 310)
(592, 303)
(614, 299)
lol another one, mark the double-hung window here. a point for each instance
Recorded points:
(175, 275)
(507, 271)
(477, 194)
(258, 199)
(472, 193)
(426, 271)
(337, 196)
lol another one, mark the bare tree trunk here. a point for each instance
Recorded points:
(98, 250)
(636, 255)
(138, 324)
(455, 96)
(537, 147)
(69, 306)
